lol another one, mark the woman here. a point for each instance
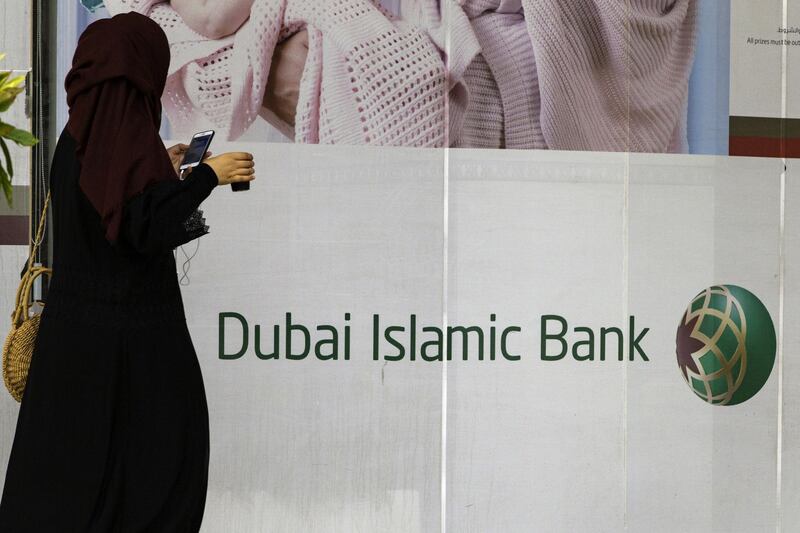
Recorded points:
(112, 433)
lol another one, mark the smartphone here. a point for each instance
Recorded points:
(197, 149)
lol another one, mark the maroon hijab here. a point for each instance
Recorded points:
(114, 95)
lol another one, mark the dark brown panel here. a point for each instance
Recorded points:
(13, 230)
(773, 128)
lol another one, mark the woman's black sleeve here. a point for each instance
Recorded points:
(165, 215)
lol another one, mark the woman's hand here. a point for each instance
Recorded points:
(176, 154)
(232, 167)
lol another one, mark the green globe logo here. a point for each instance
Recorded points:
(726, 345)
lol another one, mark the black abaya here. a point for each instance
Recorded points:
(112, 433)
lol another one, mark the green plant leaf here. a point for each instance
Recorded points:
(5, 128)
(5, 184)
(7, 154)
(23, 138)
(4, 76)
(7, 97)
(9, 83)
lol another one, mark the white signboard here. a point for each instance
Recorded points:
(377, 253)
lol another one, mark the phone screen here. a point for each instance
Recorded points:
(197, 149)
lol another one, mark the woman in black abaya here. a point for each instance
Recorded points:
(112, 433)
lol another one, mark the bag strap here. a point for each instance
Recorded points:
(22, 306)
(39, 231)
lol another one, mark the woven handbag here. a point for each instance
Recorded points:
(18, 348)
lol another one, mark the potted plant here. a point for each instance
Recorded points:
(10, 87)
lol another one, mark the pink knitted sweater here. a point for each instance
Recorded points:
(579, 74)
(559, 74)
(368, 79)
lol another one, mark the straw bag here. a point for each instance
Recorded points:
(20, 342)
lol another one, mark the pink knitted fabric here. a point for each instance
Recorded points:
(449, 28)
(368, 79)
(502, 79)
(559, 74)
(586, 75)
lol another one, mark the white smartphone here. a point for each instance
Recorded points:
(197, 149)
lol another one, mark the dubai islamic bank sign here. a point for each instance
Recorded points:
(725, 343)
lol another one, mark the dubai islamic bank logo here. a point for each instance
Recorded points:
(726, 345)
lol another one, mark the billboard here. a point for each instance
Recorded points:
(499, 271)
(504, 354)
(517, 74)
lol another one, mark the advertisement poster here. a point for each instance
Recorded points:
(598, 76)
(508, 265)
